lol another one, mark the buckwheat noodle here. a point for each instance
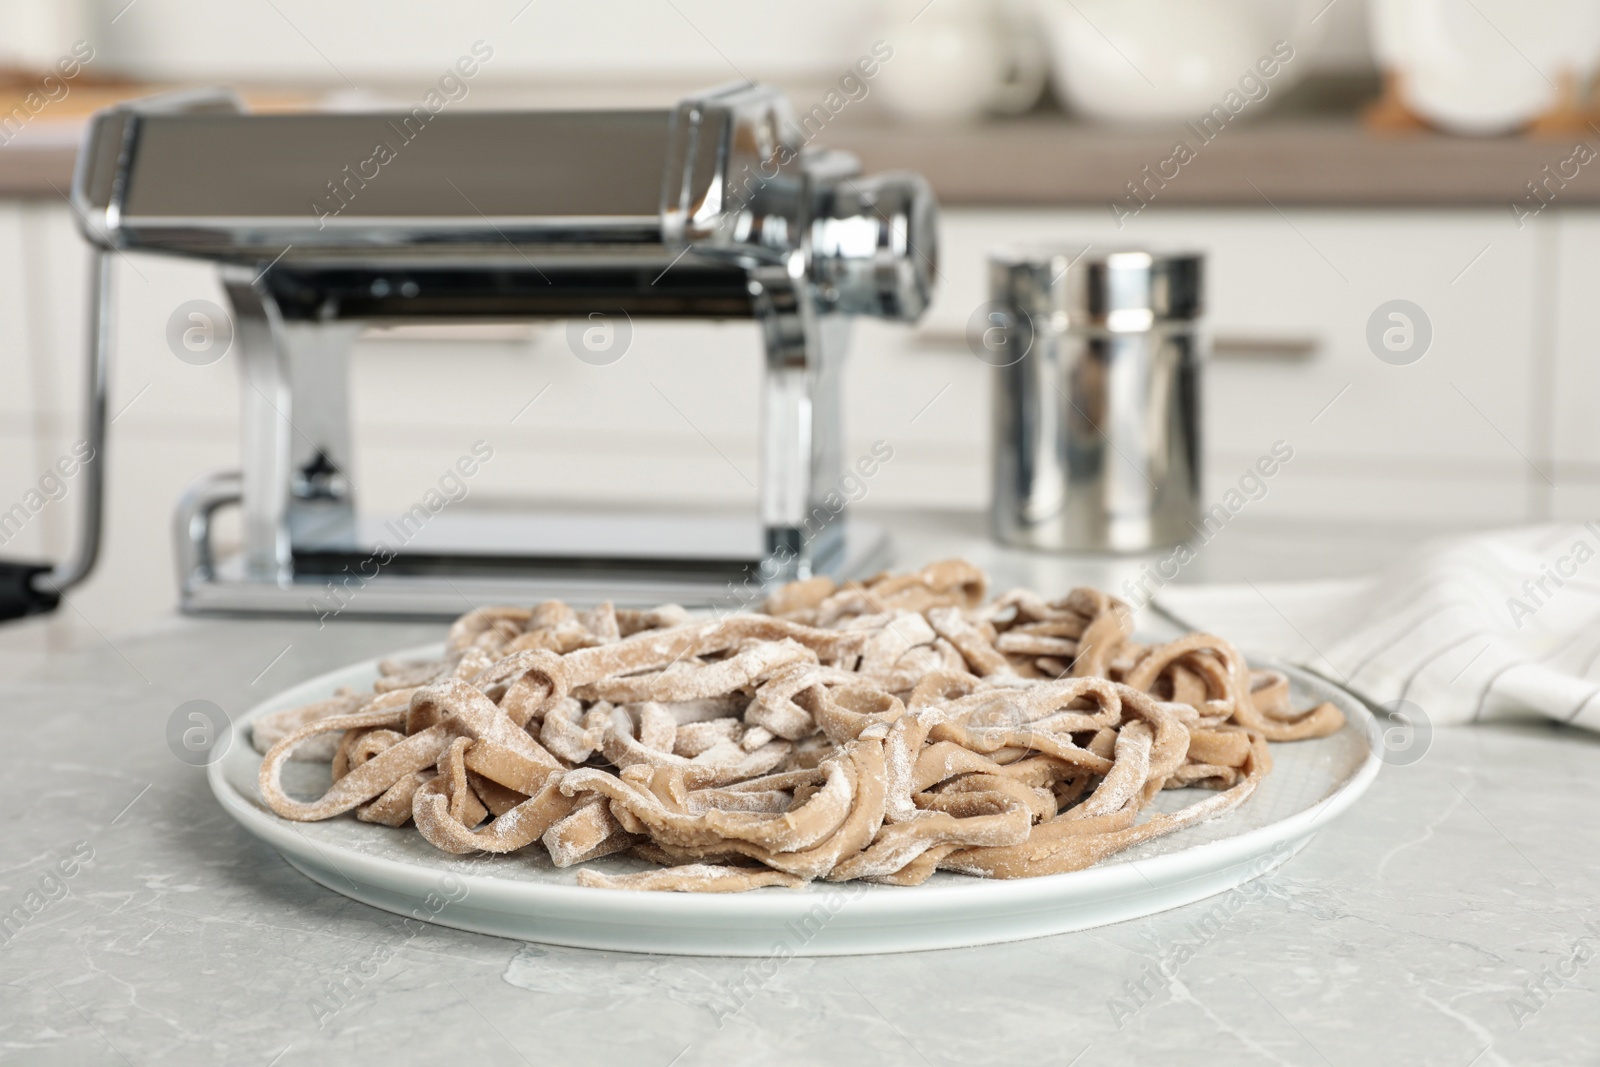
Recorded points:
(880, 730)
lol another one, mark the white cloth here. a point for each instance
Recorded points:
(1495, 626)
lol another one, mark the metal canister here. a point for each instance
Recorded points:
(1097, 437)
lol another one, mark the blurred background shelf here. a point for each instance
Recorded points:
(1320, 158)
(1314, 162)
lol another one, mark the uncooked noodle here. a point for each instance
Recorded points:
(880, 730)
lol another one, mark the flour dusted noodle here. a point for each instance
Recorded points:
(879, 730)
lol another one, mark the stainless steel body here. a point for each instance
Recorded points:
(1097, 437)
(323, 223)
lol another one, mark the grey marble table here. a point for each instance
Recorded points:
(1451, 918)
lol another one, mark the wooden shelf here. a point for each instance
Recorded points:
(1051, 160)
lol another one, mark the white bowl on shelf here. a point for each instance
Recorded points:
(1142, 61)
(955, 61)
(1485, 66)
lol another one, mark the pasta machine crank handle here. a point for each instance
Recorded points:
(37, 588)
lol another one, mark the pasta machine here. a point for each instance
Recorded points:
(716, 208)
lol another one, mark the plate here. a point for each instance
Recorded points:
(524, 896)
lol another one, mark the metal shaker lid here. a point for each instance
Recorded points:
(1122, 290)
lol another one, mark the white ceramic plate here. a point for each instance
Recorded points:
(524, 896)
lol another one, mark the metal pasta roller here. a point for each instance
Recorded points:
(712, 209)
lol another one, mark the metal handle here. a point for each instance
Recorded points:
(1240, 347)
(1264, 348)
(91, 513)
(34, 589)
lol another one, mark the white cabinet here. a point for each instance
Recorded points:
(1575, 423)
(18, 436)
(40, 265)
(1455, 434)
(1504, 397)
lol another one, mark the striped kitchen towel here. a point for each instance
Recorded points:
(1493, 626)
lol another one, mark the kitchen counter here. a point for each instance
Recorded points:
(1406, 932)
